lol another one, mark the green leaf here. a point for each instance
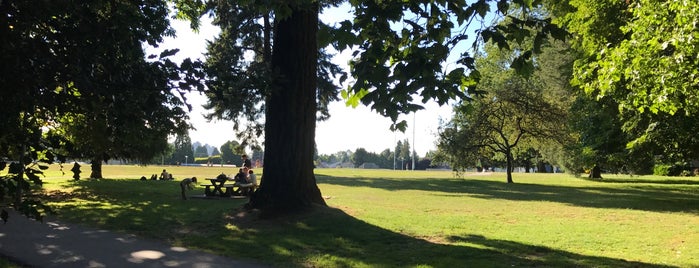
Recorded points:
(556, 32)
(503, 6)
(353, 99)
(482, 7)
(523, 64)
(169, 52)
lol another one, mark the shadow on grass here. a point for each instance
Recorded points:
(344, 241)
(647, 197)
(644, 181)
(324, 237)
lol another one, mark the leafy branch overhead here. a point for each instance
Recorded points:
(79, 85)
(401, 49)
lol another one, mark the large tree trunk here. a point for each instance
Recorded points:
(288, 181)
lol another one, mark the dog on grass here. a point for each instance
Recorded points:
(187, 184)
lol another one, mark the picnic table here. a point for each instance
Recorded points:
(217, 186)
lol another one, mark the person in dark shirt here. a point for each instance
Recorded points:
(246, 162)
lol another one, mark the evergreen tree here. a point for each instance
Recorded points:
(183, 150)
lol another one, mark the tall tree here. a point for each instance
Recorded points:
(404, 154)
(513, 109)
(360, 157)
(391, 66)
(215, 152)
(200, 151)
(73, 58)
(183, 149)
(230, 152)
(290, 118)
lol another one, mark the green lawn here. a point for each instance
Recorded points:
(383, 218)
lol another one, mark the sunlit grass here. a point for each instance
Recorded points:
(385, 218)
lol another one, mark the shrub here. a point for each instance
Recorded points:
(216, 159)
(661, 170)
(679, 169)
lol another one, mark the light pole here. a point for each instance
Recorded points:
(412, 154)
(185, 159)
(395, 144)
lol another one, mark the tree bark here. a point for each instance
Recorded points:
(96, 168)
(527, 166)
(509, 165)
(288, 181)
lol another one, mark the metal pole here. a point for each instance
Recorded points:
(395, 150)
(412, 154)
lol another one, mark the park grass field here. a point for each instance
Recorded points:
(385, 218)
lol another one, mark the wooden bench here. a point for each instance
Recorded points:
(229, 190)
(246, 190)
(214, 190)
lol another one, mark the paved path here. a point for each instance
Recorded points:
(56, 244)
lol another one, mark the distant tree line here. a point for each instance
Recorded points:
(400, 158)
(183, 151)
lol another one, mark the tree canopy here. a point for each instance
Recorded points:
(511, 111)
(77, 82)
(647, 62)
(636, 57)
(270, 58)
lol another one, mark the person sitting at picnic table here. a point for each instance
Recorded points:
(252, 178)
(222, 177)
(250, 183)
(240, 176)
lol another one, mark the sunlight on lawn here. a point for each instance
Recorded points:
(385, 218)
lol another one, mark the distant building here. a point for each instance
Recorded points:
(336, 165)
(369, 166)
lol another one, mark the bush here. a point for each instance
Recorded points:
(671, 170)
(661, 170)
(216, 159)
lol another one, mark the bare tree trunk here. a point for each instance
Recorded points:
(527, 166)
(509, 166)
(288, 182)
(96, 168)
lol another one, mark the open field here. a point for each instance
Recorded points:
(383, 218)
